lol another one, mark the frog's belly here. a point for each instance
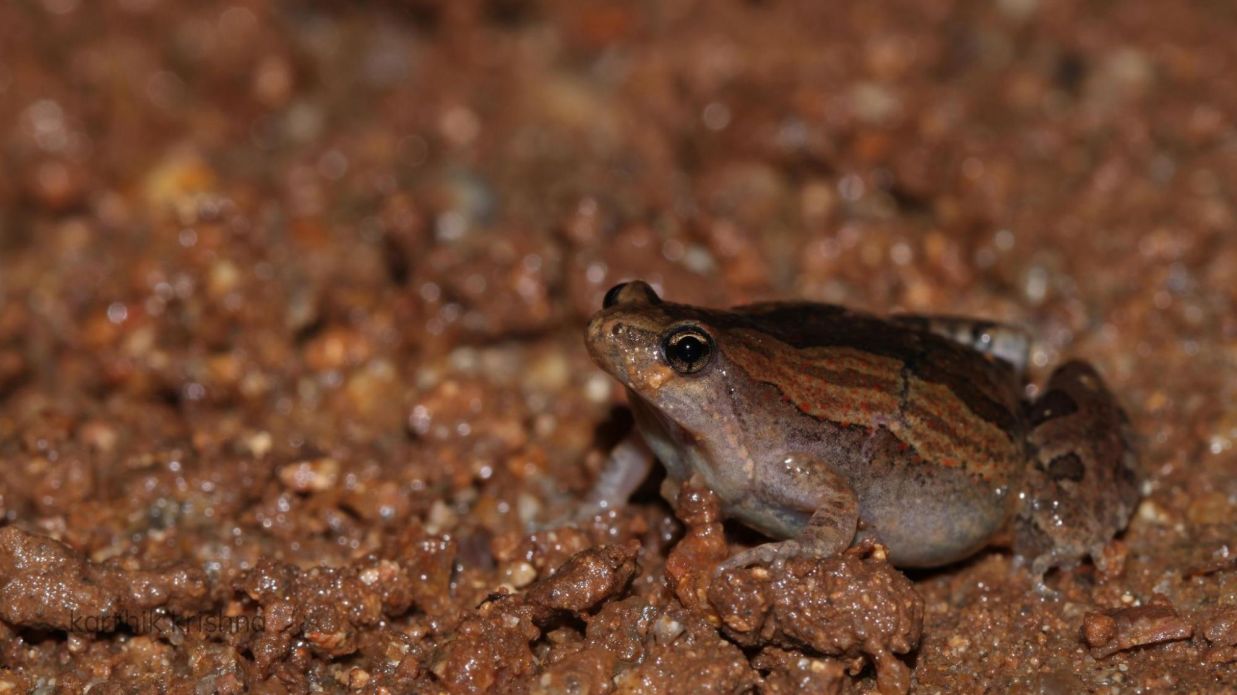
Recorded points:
(921, 525)
(934, 520)
(925, 513)
(929, 514)
(922, 521)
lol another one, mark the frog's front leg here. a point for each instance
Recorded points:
(626, 467)
(800, 483)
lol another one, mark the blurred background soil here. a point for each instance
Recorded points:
(291, 298)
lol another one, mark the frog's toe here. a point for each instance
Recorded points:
(1040, 586)
(769, 554)
(1043, 564)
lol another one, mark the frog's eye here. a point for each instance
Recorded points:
(688, 349)
(634, 292)
(612, 295)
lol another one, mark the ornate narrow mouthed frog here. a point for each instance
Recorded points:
(819, 426)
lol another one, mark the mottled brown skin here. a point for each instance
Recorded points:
(818, 425)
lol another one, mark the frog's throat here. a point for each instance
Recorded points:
(664, 436)
(685, 452)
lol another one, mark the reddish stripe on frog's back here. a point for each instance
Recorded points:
(838, 384)
(847, 386)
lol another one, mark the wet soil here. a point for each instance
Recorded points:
(291, 301)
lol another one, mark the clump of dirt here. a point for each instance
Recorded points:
(1112, 631)
(851, 608)
(46, 586)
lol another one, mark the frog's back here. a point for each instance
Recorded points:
(988, 386)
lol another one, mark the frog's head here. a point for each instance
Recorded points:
(668, 354)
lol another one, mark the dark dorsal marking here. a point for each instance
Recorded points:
(1066, 467)
(928, 356)
(1056, 403)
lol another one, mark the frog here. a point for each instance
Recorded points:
(823, 427)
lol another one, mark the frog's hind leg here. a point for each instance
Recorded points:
(1002, 341)
(1082, 483)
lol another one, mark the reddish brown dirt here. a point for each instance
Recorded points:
(291, 298)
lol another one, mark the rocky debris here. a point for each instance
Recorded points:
(492, 648)
(1112, 631)
(585, 580)
(844, 606)
(1220, 630)
(46, 585)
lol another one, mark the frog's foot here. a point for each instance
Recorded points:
(829, 531)
(769, 554)
(776, 554)
(1067, 557)
(1039, 569)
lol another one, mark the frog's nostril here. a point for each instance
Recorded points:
(618, 329)
(612, 295)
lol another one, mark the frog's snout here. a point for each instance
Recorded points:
(593, 338)
(605, 338)
(620, 347)
(621, 331)
(601, 337)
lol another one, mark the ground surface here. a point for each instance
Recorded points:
(291, 298)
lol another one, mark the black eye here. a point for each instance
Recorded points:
(688, 349)
(612, 295)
